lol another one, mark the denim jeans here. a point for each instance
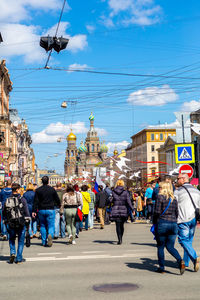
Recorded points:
(86, 223)
(59, 224)
(47, 223)
(185, 237)
(77, 228)
(33, 227)
(3, 226)
(91, 218)
(166, 233)
(21, 236)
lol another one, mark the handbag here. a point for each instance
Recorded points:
(79, 215)
(197, 209)
(153, 227)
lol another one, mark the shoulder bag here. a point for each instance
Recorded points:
(197, 210)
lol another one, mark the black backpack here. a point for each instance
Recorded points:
(14, 212)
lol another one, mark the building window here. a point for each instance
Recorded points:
(72, 153)
(152, 136)
(92, 147)
(161, 136)
(153, 172)
(153, 158)
(88, 148)
(152, 148)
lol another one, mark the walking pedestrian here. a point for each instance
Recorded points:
(29, 196)
(91, 208)
(185, 194)
(148, 202)
(101, 203)
(86, 200)
(70, 202)
(165, 222)
(59, 220)
(119, 214)
(5, 194)
(16, 216)
(46, 198)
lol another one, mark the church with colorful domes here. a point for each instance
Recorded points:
(89, 154)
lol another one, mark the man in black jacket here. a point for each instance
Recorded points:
(46, 198)
(101, 202)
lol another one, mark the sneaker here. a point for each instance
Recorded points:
(12, 258)
(4, 237)
(77, 236)
(70, 239)
(182, 267)
(73, 242)
(19, 262)
(196, 264)
(161, 271)
(49, 241)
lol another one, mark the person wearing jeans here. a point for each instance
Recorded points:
(91, 207)
(59, 221)
(165, 222)
(101, 203)
(185, 194)
(16, 229)
(85, 210)
(47, 224)
(46, 198)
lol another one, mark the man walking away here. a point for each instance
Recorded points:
(16, 216)
(101, 202)
(59, 220)
(46, 198)
(5, 193)
(186, 218)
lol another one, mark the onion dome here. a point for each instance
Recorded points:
(71, 137)
(91, 117)
(104, 148)
(115, 152)
(82, 148)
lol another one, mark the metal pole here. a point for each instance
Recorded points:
(183, 129)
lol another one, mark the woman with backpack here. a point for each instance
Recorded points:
(29, 196)
(166, 228)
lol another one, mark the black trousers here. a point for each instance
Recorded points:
(120, 229)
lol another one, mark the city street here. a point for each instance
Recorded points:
(71, 271)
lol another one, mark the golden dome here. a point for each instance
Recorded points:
(115, 152)
(71, 137)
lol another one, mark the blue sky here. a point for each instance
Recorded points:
(142, 38)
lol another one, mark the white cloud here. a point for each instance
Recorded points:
(90, 28)
(76, 66)
(172, 125)
(23, 40)
(153, 96)
(119, 146)
(139, 12)
(190, 106)
(19, 10)
(59, 130)
(101, 131)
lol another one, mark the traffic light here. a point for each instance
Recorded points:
(60, 44)
(49, 43)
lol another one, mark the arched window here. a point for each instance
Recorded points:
(88, 148)
(92, 147)
(72, 153)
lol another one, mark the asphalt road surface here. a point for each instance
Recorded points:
(74, 271)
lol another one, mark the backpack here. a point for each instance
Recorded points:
(14, 212)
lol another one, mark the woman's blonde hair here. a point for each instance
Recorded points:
(30, 187)
(120, 182)
(166, 189)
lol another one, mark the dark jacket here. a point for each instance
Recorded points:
(29, 196)
(121, 201)
(5, 193)
(101, 199)
(45, 198)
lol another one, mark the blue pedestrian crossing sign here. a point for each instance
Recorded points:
(184, 153)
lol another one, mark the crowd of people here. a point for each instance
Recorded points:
(53, 212)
